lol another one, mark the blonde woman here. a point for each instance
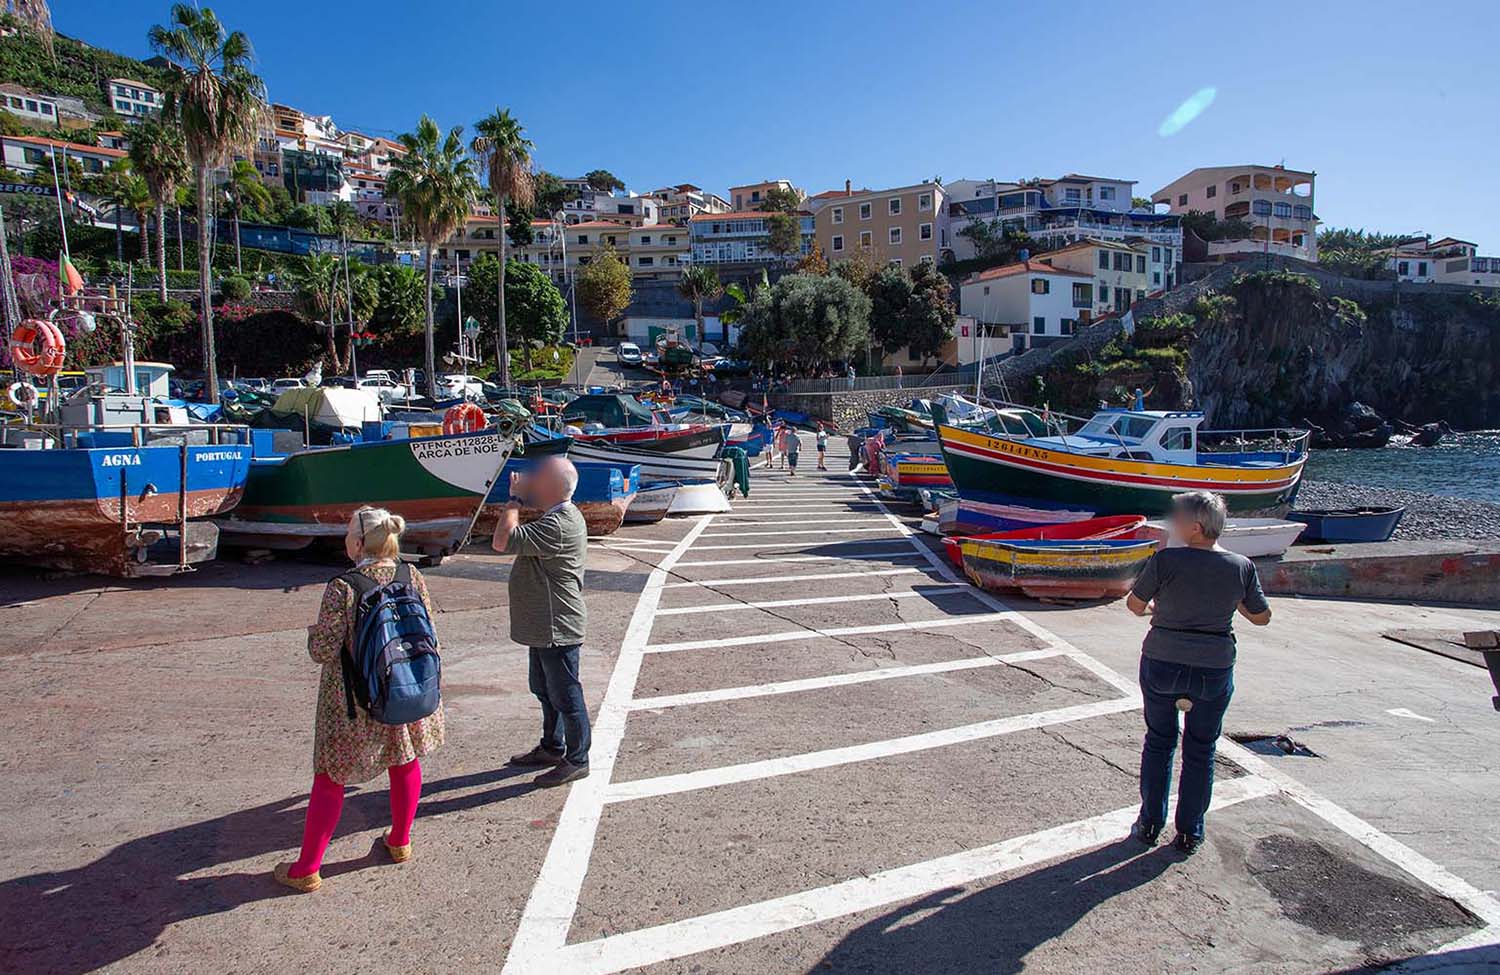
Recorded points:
(348, 750)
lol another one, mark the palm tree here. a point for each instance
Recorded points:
(136, 197)
(344, 217)
(218, 100)
(699, 283)
(158, 154)
(505, 153)
(113, 186)
(434, 183)
(244, 188)
(318, 283)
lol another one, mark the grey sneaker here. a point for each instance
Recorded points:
(538, 757)
(564, 773)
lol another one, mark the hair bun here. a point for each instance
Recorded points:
(395, 523)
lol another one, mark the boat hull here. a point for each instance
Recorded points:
(997, 470)
(1254, 538)
(654, 466)
(965, 517)
(1056, 569)
(1353, 525)
(1111, 526)
(652, 503)
(603, 495)
(703, 498)
(101, 509)
(437, 484)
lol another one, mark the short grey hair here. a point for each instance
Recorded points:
(1205, 508)
(569, 475)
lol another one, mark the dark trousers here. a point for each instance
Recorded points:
(553, 678)
(1209, 688)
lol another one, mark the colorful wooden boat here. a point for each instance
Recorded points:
(1374, 524)
(962, 516)
(1254, 538)
(436, 483)
(652, 502)
(1125, 462)
(655, 466)
(904, 475)
(1056, 569)
(1110, 526)
(603, 495)
(117, 510)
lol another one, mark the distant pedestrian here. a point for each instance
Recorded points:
(822, 446)
(793, 445)
(849, 373)
(1187, 661)
(547, 613)
(898, 376)
(353, 748)
(780, 442)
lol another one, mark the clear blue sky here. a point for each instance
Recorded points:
(1396, 106)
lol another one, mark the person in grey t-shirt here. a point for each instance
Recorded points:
(547, 614)
(1191, 594)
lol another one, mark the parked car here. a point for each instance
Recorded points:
(282, 385)
(386, 388)
(732, 367)
(252, 382)
(629, 354)
(456, 384)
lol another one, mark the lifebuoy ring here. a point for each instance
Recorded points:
(23, 353)
(21, 394)
(464, 418)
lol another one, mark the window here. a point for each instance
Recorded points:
(1140, 264)
(1182, 199)
(1104, 260)
(1421, 269)
(893, 205)
(864, 211)
(121, 105)
(1166, 255)
(1103, 292)
(645, 239)
(895, 235)
(838, 214)
(1211, 192)
(1283, 209)
(1039, 324)
(610, 240)
(1156, 255)
(33, 155)
(1156, 277)
(894, 262)
(583, 238)
(1067, 326)
(924, 232)
(1403, 268)
(927, 259)
(1234, 188)
(1122, 262)
(1177, 438)
(1041, 286)
(1106, 193)
(838, 243)
(986, 289)
(924, 202)
(31, 105)
(646, 261)
(1083, 295)
(1302, 211)
(864, 239)
(1261, 208)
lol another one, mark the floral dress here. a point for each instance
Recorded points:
(357, 750)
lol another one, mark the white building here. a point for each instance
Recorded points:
(1058, 212)
(1025, 304)
(679, 204)
(28, 154)
(1447, 260)
(1276, 203)
(133, 99)
(28, 105)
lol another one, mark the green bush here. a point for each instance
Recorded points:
(234, 288)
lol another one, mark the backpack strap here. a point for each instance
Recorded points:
(362, 585)
(403, 573)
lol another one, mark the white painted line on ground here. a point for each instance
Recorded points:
(834, 680)
(798, 520)
(900, 553)
(810, 633)
(543, 929)
(798, 531)
(935, 591)
(774, 545)
(635, 949)
(761, 580)
(663, 785)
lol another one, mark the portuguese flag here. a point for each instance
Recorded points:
(68, 277)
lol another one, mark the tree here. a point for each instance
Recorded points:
(343, 218)
(805, 320)
(999, 241)
(401, 298)
(890, 292)
(212, 92)
(781, 199)
(243, 189)
(603, 286)
(1141, 203)
(930, 315)
(534, 307)
(114, 186)
(813, 262)
(505, 153)
(699, 283)
(318, 281)
(549, 195)
(604, 181)
(434, 183)
(310, 216)
(159, 155)
(784, 235)
(130, 192)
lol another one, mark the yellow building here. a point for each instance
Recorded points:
(752, 195)
(1121, 272)
(658, 251)
(904, 225)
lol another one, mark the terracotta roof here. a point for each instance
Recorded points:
(65, 146)
(741, 215)
(1091, 242)
(1023, 267)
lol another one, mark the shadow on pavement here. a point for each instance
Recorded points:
(1484, 960)
(73, 921)
(993, 930)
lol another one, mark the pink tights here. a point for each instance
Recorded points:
(327, 802)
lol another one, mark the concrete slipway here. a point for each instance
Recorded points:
(815, 750)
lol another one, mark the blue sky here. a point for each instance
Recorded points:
(1396, 106)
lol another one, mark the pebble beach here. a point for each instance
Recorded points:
(1427, 515)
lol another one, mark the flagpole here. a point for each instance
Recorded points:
(62, 222)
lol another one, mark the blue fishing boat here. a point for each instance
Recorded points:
(603, 495)
(1374, 524)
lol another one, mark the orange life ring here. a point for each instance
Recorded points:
(464, 418)
(47, 362)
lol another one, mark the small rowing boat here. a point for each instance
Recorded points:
(1056, 569)
(1110, 526)
(652, 502)
(1373, 524)
(1254, 538)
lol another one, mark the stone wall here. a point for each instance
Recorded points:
(849, 410)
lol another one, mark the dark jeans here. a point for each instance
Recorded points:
(565, 716)
(1209, 688)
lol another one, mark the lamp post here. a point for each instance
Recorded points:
(560, 223)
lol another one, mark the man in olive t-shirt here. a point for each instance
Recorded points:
(547, 613)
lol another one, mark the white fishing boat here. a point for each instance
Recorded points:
(1254, 538)
(651, 503)
(699, 498)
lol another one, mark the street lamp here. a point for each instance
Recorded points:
(560, 224)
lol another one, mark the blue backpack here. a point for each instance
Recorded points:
(391, 665)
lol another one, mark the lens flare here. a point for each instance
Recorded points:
(1194, 106)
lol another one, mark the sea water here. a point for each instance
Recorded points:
(1462, 465)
